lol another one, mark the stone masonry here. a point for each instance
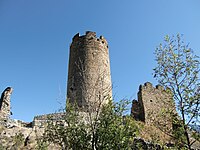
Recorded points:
(154, 106)
(5, 103)
(89, 80)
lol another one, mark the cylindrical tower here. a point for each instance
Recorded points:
(89, 80)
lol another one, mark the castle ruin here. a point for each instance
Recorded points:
(5, 103)
(155, 106)
(89, 85)
(89, 80)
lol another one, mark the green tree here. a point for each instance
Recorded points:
(70, 132)
(18, 141)
(114, 130)
(110, 129)
(178, 68)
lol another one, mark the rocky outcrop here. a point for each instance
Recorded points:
(5, 103)
(17, 137)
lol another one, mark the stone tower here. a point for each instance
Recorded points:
(5, 103)
(155, 106)
(89, 79)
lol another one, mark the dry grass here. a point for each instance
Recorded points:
(153, 134)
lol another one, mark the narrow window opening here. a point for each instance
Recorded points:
(72, 89)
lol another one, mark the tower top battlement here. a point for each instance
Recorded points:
(149, 86)
(89, 36)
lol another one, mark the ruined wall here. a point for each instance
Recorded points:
(41, 120)
(89, 80)
(154, 106)
(5, 103)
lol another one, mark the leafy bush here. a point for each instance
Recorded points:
(106, 129)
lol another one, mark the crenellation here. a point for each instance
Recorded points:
(160, 87)
(147, 86)
(89, 34)
(90, 37)
(76, 37)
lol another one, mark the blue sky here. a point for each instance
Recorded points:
(35, 36)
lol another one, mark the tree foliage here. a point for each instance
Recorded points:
(110, 129)
(178, 68)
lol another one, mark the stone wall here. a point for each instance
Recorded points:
(89, 80)
(60, 118)
(41, 120)
(154, 106)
